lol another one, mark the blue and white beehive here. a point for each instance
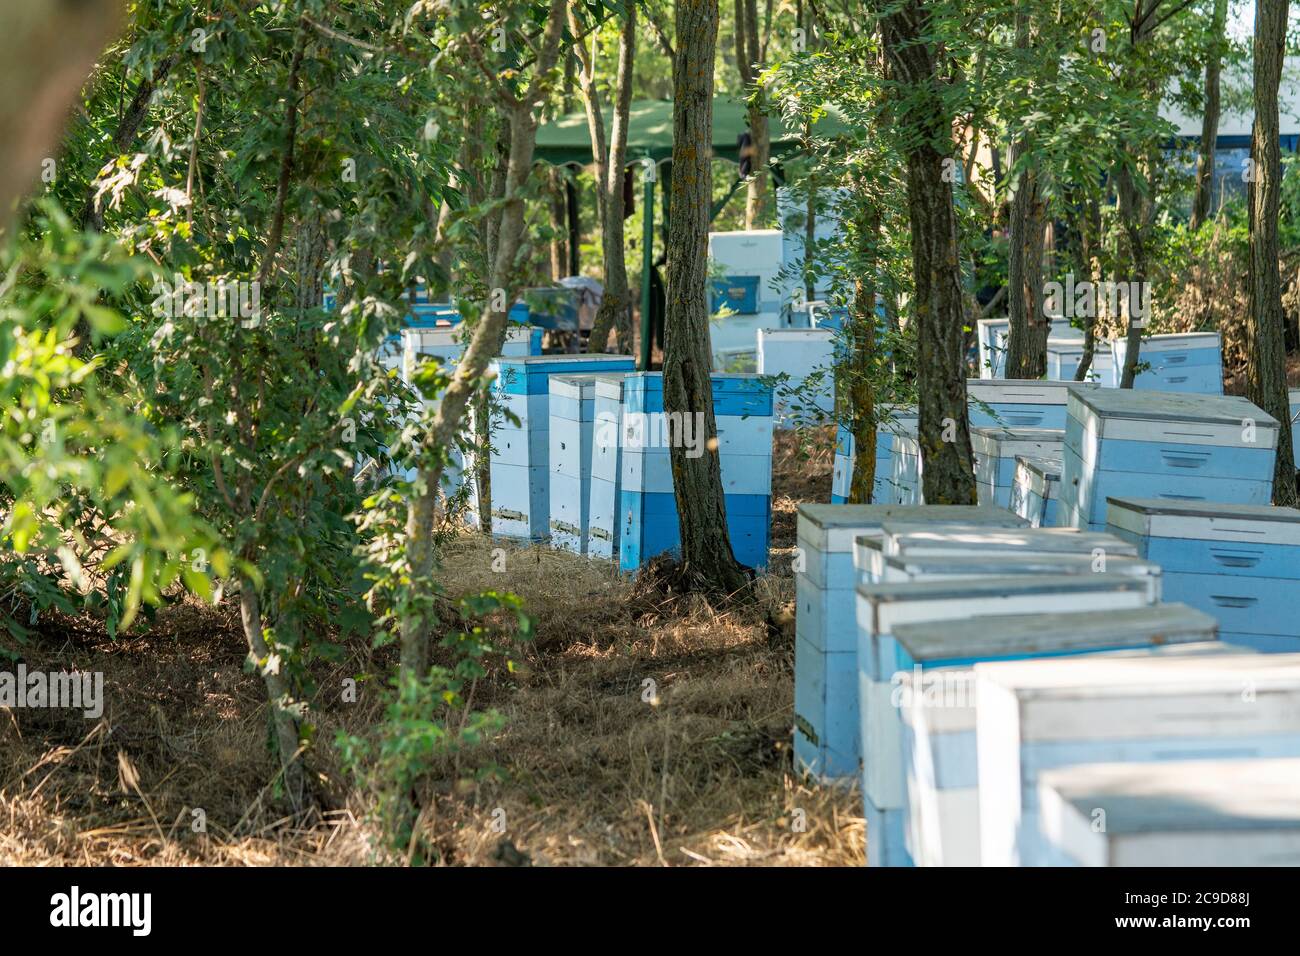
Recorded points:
(937, 704)
(1065, 355)
(806, 357)
(894, 419)
(792, 214)
(1182, 362)
(572, 438)
(742, 408)
(883, 607)
(995, 451)
(1036, 489)
(991, 339)
(606, 469)
(520, 460)
(1294, 403)
(1240, 563)
(827, 725)
(1194, 813)
(906, 466)
(1126, 443)
(1019, 403)
(1040, 715)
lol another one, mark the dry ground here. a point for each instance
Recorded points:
(592, 773)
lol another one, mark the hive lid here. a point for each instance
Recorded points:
(891, 592)
(1171, 406)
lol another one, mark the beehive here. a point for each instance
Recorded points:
(1020, 403)
(895, 420)
(1036, 490)
(995, 451)
(1181, 362)
(606, 469)
(806, 357)
(572, 434)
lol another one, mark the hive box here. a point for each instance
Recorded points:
(1036, 490)
(1125, 443)
(806, 357)
(1294, 403)
(881, 608)
(1019, 403)
(906, 467)
(1239, 563)
(992, 336)
(520, 459)
(884, 568)
(1065, 355)
(742, 407)
(900, 537)
(995, 451)
(754, 252)
(827, 724)
(606, 469)
(895, 420)
(1182, 813)
(792, 214)
(1183, 362)
(1035, 716)
(939, 760)
(572, 435)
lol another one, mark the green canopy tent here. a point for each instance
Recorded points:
(566, 140)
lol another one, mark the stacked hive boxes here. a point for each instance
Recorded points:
(883, 608)
(606, 469)
(995, 451)
(520, 459)
(937, 699)
(1036, 490)
(1240, 563)
(1035, 716)
(1162, 445)
(742, 407)
(572, 427)
(1181, 813)
(806, 358)
(1184, 362)
(894, 420)
(827, 726)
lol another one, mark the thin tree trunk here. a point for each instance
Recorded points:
(861, 386)
(1210, 118)
(1266, 373)
(1133, 215)
(486, 342)
(707, 559)
(943, 427)
(276, 232)
(1088, 229)
(615, 308)
(750, 56)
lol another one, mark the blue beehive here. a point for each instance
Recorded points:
(906, 466)
(881, 608)
(736, 293)
(937, 704)
(520, 460)
(895, 419)
(572, 435)
(1019, 403)
(1046, 714)
(1183, 362)
(995, 451)
(1125, 443)
(606, 469)
(1240, 563)
(1065, 355)
(742, 408)
(1036, 490)
(826, 690)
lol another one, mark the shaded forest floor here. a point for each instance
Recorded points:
(590, 771)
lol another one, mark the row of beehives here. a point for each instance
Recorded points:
(1174, 362)
(1009, 695)
(580, 455)
(1193, 463)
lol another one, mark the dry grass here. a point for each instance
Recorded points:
(600, 767)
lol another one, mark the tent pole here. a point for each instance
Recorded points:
(647, 259)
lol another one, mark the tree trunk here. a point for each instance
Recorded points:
(279, 696)
(1133, 215)
(707, 559)
(1266, 373)
(749, 59)
(615, 308)
(1210, 118)
(1087, 230)
(861, 387)
(943, 428)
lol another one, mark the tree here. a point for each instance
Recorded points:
(917, 65)
(707, 559)
(610, 158)
(1210, 116)
(751, 57)
(1266, 374)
